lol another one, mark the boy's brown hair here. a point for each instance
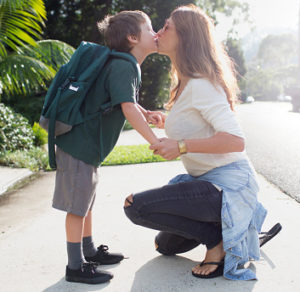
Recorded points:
(116, 29)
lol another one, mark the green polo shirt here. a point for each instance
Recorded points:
(92, 141)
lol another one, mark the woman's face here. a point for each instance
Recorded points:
(167, 39)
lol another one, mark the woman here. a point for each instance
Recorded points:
(215, 203)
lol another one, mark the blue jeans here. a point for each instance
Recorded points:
(187, 213)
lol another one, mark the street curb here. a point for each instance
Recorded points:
(17, 182)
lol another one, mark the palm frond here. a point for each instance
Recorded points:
(23, 75)
(20, 22)
(53, 53)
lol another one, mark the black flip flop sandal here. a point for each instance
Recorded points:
(266, 236)
(217, 273)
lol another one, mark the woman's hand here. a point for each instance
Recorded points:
(156, 118)
(166, 148)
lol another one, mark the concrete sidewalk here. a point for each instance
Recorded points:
(33, 253)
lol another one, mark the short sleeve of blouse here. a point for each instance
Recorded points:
(122, 82)
(213, 106)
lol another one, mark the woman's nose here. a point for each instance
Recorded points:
(159, 33)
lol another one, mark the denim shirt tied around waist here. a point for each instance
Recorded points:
(242, 215)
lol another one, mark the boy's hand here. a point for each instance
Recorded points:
(166, 148)
(156, 118)
(137, 120)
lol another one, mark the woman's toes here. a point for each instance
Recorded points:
(204, 270)
(197, 270)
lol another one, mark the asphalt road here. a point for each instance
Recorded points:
(273, 142)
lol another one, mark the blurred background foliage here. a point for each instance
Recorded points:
(37, 37)
(73, 21)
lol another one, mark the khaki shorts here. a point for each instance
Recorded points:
(75, 184)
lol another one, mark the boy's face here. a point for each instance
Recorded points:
(147, 40)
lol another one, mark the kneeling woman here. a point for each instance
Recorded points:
(216, 202)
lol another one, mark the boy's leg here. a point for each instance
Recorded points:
(91, 253)
(74, 227)
(88, 245)
(78, 270)
(74, 191)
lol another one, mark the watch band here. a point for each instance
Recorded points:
(182, 147)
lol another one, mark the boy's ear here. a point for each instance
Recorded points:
(133, 39)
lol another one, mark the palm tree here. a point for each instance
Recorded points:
(26, 64)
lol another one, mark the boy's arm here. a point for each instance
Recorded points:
(136, 118)
(144, 112)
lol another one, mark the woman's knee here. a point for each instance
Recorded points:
(128, 201)
(131, 210)
(161, 244)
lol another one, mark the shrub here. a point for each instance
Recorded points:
(40, 135)
(15, 131)
(34, 159)
(30, 106)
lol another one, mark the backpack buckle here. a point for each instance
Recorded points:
(67, 82)
(107, 110)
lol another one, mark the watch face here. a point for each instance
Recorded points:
(182, 147)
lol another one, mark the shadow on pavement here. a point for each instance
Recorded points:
(267, 259)
(62, 285)
(173, 274)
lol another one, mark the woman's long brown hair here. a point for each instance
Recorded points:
(199, 55)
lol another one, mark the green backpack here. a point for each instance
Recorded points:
(61, 109)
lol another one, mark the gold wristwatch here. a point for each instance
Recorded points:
(182, 147)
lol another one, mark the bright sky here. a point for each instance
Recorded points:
(269, 13)
(275, 12)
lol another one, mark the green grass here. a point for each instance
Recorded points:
(37, 158)
(131, 154)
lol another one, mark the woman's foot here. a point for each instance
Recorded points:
(214, 255)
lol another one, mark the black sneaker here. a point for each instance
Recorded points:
(103, 257)
(88, 274)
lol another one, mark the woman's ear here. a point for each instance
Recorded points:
(133, 39)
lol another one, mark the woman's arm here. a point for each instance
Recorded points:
(220, 143)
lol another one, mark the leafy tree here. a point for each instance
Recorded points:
(275, 67)
(262, 85)
(234, 49)
(73, 21)
(26, 65)
(277, 51)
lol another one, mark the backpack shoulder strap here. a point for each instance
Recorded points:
(131, 59)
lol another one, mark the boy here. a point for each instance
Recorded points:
(78, 151)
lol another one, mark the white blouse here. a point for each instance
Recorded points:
(200, 112)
